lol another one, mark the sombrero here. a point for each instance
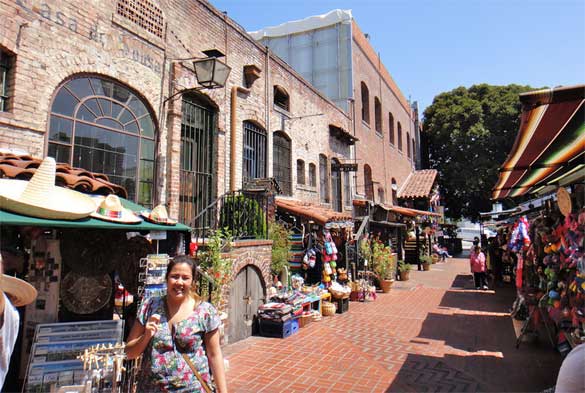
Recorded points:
(39, 197)
(110, 209)
(20, 292)
(158, 215)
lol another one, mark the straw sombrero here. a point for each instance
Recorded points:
(158, 215)
(39, 197)
(110, 209)
(20, 292)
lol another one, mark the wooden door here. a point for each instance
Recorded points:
(246, 295)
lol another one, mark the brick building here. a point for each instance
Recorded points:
(333, 53)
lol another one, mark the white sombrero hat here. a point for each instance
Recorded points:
(110, 209)
(20, 292)
(158, 215)
(39, 197)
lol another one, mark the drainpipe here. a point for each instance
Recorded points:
(233, 107)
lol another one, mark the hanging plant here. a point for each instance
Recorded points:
(280, 246)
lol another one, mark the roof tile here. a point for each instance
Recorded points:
(419, 184)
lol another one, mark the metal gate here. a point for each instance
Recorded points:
(246, 295)
(197, 160)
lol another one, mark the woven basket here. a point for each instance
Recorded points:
(327, 309)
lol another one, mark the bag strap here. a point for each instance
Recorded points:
(204, 384)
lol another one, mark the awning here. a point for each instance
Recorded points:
(319, 214)
(419, 184)
(550, 144)
(405, 211)
(8, 218)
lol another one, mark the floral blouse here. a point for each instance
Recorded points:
(163, 367)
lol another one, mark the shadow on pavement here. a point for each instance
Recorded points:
(490, 362)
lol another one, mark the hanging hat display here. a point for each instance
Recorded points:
(110, 209)
(158, 215)
(39, 197)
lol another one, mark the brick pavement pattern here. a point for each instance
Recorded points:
(434, 333)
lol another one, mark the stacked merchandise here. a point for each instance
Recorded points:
(275, 320)
(279, 312)
(329, 252)
(296, 251)
(153, 278)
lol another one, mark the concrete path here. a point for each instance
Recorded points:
(434, 333)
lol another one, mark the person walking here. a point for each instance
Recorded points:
(478, 267)
(178, 335)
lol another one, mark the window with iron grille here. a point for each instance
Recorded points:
(281, 161)
(281, 98)
(101, 125)
(323, 180)
(335, 185)
(312, 175)
(399, 136)
(391, 127)
(254, 163)
(413, 150)
(365, 103)
(143, 13)
(408, 144)
(300, 172)
(347, 197)
(5, 78)
(197, 178)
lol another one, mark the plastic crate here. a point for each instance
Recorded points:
(342, 305)
(295, 325)
(277, 329)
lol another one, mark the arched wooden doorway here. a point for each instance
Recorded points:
(246, 295)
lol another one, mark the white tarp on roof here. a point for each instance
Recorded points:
(298, 26)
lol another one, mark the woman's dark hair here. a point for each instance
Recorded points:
(182, 259)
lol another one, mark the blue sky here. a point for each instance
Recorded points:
(434, 46)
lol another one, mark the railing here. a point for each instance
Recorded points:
(243, 214)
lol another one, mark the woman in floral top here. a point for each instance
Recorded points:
(168, 327)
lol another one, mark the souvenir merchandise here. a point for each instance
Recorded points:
(127, 261)
(85, 294)
(152, 279)
(158, 215)
(110, 209)
(39, 197)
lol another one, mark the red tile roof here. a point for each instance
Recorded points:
(321, 215)
(419, 184)
(23, 167)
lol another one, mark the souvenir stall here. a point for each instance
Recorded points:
(83, 255)
(548, 244)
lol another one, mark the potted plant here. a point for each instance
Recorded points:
(384, 265)
(426, 261)
(404, 269)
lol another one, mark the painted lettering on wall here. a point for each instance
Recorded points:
(135, 49)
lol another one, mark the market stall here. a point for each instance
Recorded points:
(82, 253)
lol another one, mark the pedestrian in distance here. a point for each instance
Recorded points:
(178, 336)
(478, 267)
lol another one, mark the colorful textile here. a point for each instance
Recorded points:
(163, 367)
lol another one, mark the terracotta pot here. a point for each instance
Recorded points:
(435, 258)
(426, 266)
(386, 285)
(404, 275)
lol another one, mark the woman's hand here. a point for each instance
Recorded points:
(152, 326)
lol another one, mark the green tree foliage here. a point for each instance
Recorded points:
(280, 246)
(470, 133)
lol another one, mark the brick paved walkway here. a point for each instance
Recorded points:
(434, 333)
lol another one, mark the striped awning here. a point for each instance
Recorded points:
(550, 144)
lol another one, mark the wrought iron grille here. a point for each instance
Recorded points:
(254, 165)
(281, 163)
(144, 13)
(197, 160)
(5, 63)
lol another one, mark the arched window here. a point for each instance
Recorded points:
(378, 114)
(300, 172)
(336, 185)
(281, 161)
(312, 175)
(399, 136)
(365, 103)
(254, 157)
(391, 127)
(103, 126)
(323, 179)
(281, 98)
(368, 182)
(408, 144)
(394, 192)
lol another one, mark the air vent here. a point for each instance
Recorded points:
(144, 13)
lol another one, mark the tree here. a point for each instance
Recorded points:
(470, 132)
